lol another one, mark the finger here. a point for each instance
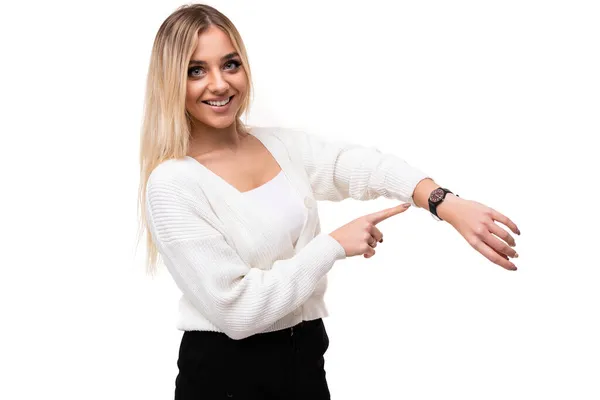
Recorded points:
(499, 245)
(369, 253)
(376, 233)
(494, 257)
(370, 240)
(379, 216)
(505, 221)
(501, 233)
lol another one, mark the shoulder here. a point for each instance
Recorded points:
(173, 170)
(175, 179)
(292, 138)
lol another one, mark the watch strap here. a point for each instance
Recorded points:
(433, 206)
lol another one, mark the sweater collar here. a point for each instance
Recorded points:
(293, 172)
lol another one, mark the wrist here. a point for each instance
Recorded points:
(422, 192)
(421, 198)
(446, 209)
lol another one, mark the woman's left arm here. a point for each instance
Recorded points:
(338, 170)
(476, 222)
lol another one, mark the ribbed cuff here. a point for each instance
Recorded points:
(320, 254)
(401, 181)
(337, 249)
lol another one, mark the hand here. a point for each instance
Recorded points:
(476, 223)
(361, 235)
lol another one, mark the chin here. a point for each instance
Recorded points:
(216, 123)
(222, 124)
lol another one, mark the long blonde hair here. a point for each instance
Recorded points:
(166, 125)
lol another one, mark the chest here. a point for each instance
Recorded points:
(247, 227)
(244, 171)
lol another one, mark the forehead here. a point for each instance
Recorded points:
(213, 44)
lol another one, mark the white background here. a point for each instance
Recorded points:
(498, 101)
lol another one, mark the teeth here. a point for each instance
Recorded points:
(219, 103)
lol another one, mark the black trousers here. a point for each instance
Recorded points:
(287, 364)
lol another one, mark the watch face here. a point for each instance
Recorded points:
(436, 195)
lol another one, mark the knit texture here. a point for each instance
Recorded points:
(236, 274)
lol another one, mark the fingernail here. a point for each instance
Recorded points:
(516, 255)
(406, 205)
(381, 241)
(518, 231)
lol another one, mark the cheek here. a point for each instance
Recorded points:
(240, 82)
(192, 94)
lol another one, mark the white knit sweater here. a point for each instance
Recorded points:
(237, 275)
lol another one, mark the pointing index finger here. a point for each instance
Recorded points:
(382, 215)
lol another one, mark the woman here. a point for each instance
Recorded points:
(232, 212)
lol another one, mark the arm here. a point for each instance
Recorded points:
(239, 300)
(339, 170)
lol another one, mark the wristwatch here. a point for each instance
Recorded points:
(436, 198)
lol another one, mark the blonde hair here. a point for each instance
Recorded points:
(166, 125)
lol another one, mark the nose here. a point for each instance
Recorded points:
(217, 83)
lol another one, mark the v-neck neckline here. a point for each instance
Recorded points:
(294, 174)
(233, 188)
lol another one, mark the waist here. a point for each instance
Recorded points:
(269, 336)
(190, 319)
(286, 332)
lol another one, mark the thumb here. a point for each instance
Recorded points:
(382, 215)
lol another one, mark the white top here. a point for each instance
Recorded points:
(241, 274)
(281, 206)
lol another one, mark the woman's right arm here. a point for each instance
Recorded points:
(239, 300)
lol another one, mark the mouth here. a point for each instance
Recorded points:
(220, 103)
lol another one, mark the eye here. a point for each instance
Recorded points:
(197, 72)
(235, 63)
(194, 69)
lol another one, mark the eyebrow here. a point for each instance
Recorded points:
(224, 58)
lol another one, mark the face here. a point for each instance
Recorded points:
(216, 82)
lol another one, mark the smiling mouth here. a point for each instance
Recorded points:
(221, 103)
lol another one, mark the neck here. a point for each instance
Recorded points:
(206, 139)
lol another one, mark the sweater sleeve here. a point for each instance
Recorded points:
(237, 299)
(338, 170)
